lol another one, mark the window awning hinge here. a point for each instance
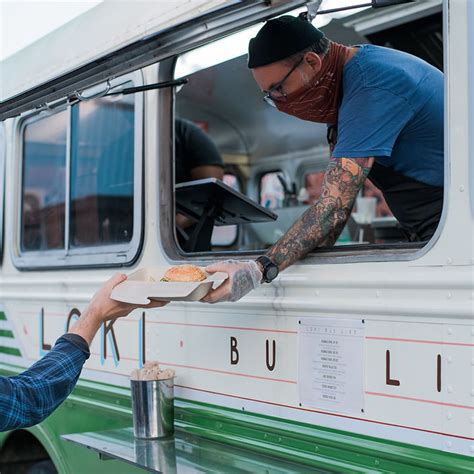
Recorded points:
(107, 90)
(149, 87)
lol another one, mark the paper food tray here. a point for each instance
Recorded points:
(145, 285)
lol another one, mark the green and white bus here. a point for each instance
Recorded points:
(360, 358)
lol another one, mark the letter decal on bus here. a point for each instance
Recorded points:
(438, 373)
(234, 353)
(270, 366)
(108, 329)
(44, 348)
(141, 341)
(388, 380)
(73, 314)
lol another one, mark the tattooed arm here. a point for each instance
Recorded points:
(319, 225)
(324, 221)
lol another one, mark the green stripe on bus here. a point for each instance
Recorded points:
(2, 316)
(318, 447)
(10, 351)
(6, 333)
(312, 448)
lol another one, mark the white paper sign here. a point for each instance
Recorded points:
(331, 364)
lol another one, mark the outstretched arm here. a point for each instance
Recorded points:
(323, 222)
(320, 225)
(30, 397)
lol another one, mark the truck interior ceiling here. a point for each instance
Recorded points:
(276, 159)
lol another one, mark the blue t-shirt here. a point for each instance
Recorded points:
(392, 109)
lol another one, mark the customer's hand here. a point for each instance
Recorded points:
(102, 308)
(243, 277)
(105, 308)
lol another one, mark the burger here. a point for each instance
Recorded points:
(184, 273)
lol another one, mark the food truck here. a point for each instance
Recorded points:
(359, 358)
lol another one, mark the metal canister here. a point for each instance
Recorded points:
(153, 408)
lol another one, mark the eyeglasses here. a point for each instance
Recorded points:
(276, 93)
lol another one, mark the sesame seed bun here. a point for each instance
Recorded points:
(184, 273)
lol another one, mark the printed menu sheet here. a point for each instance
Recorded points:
(331, 364)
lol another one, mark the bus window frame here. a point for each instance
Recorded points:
(325, 255)
(99, 255)
(3, 154)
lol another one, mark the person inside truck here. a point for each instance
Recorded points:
(28, 398)
(384, 110)
(196, 157)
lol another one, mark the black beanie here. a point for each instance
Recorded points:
(280, 38)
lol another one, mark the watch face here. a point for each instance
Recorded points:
(272, 272)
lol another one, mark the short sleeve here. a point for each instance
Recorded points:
(369, 122)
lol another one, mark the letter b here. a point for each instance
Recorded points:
(234, 353)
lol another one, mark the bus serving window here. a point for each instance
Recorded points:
(280, 159)
(79, 186)
(44, 183)
(102, 172)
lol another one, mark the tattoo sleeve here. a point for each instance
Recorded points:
(323, 222)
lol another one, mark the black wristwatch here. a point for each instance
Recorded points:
(269, 269)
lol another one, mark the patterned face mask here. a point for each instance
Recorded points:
(319, 100)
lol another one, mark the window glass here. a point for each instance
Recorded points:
(44, 183)
(281, 160)
(78, 182)
(102, 164)
(272, 192)
(224, 236)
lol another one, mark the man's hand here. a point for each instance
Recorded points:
(102, 308)
(243, 277)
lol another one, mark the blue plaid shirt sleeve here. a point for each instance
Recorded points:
(28, 398)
